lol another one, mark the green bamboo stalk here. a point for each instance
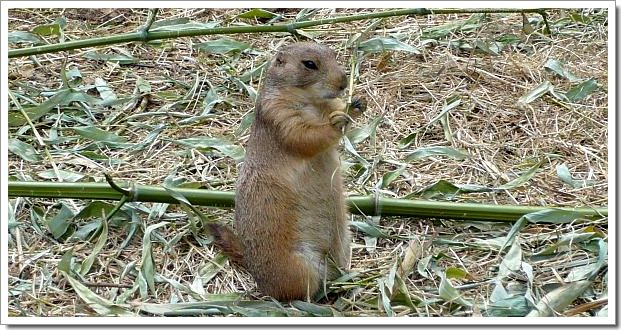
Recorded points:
(144, 35)
(357, 204)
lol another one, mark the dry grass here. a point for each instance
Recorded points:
(408, 90)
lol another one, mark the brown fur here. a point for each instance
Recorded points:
(290, 211)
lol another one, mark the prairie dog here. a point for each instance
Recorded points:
(290, 213)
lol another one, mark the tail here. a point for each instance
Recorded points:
(227, 241)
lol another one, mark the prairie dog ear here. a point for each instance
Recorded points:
(279, 59)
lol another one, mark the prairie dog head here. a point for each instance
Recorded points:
(308, 66)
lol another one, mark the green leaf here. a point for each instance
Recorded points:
(559, 68)
(360, 162)
(509, 39)
(36, 217)
(221, 145)
(448, 292)
(512, 261)
(457, 273)
(451, 103)
(551, 215)
(62, 97)
(147, 270)
(149, 139)
(252, 93)
(245, 123)
(24, 150)
(557, 300)
(181, 27)
(101, 241)
(446, 190)
(511, 306)
(602, 256)
(98, 135)
(84, 231)
(213, 304)
(369, 229)
(66, 176)
(358, 135)
(313, 309)
(107, 94)
(563, 173)
(60, 222)
(567, 240)
(380, 45)
(439, 31)
(255, 72)
(582, 272)
(65, 262)
(207, 272)
(535, 93)
(487, 46)
(422, 266)
(24, 37)
(389, 177)
(582, 90)
(384, 298)
(222, 46)
(513, 232)
(169, 22)
(258, 13)
(210, 100)
(48, 29)
(100, 305)
(522, 178)
(421, 153)
(406, 141)
(143, 86)
(401, 294)
(73, 74)
(119, 58)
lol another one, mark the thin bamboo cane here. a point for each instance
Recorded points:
(368, 205)
(144, 35)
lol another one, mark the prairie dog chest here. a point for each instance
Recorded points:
(316, 174)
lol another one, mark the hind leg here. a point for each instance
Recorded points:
(292, 277)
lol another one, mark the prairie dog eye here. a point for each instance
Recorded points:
(310, 64)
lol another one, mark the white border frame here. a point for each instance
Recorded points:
(586, 321)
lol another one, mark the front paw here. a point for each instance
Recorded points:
(340, 120)
(357, 107)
